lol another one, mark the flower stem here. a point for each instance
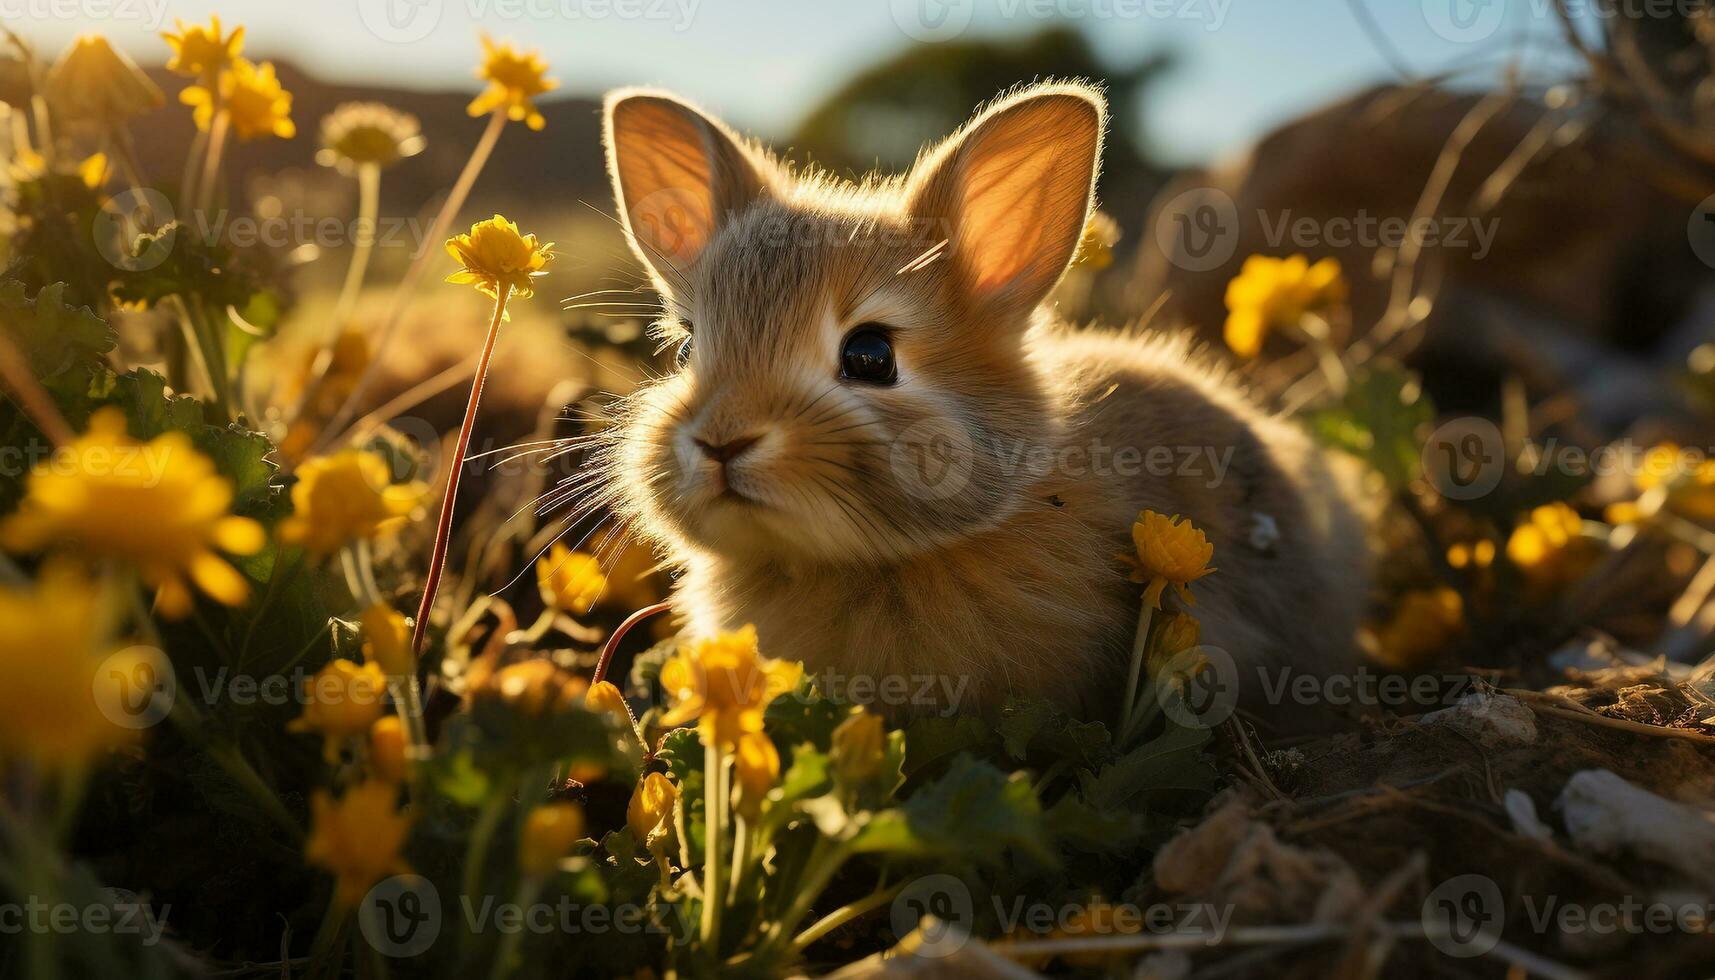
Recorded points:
(419, 264)
(476, 852)
(443, 528)
(211, 163)
(31, 396)
(844, 914)
(368, 207)
(715, 801)
(1139, 646)
(612, 644)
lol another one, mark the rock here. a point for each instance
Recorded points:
(1522, 809)
(1609, 816)
(1492, 719)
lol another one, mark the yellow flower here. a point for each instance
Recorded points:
(550, 831)
(1683, 484)
(52, 638)
(200, 52)
(857, 749)
(1170, 551)
(495, 254)
(358, 133)
(93, 172)
(1269, 294)
(604, 696)
(252, 97)
(93, 82)
(1423, 623)
(756, 763)
(513, 80)
(1550, 549)
(651, 807)
(387, 641)
(387, 742)
(1471, 554)
(569, 580)
(346, 496)
(1096, 245)
(159, 506)
(357, 837)
(341, 701)
(724, 684)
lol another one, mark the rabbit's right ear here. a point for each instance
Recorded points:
(677, 175)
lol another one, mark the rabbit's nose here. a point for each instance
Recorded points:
(724, 452)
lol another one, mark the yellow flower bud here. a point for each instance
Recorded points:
(387, 749)
(388, 643)
(757, 765)
(651, 806)
(549, 833)
(1175, 633)
(857, 749)
(603, 696)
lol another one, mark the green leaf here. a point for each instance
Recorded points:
(1039, 731)
(1076, 825)
(974, 813)
(1382, 420)
(54, 337)
(1170, 764)
(932, 741)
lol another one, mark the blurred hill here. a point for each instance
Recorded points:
(561, 164)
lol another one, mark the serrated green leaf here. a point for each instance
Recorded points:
(1171, 763)
(973, 813)
(53, 335)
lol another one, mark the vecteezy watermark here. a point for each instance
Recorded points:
(1470, 21)
(1080, 920)
(1464, 458)
(943, 20)
(143, 465)
(1198, 229)
(148, 14)
(1362, 229)
(939, 905)
(407, 21)
(936, 459)
(121, 917)
(943, 692)
(403, 916)
(135, 688)
(1700, 231)
(1463, 916)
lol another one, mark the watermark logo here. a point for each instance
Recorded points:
(1198, 230)
(1464, 21)
(400, 21)
(135, 688)
(401, 916)
(1700, 231)
(1465, 458)
(1464, 915)
(933, 21)
(933, 460)
(1199, 687)
(122, 221)
(946, 902)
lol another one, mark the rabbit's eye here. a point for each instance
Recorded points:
(868, 356)
(682, 356)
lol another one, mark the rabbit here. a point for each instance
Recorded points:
(881, 449)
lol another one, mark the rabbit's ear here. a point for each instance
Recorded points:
(1013, 190)
(677, 175)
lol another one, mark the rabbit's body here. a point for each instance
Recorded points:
(883, 454)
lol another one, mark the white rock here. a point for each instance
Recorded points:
(1522, 809)
(1492, 719)
(1610, 816)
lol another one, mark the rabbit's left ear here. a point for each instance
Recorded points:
(1013, 190)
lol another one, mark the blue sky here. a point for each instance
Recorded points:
(1247, 64)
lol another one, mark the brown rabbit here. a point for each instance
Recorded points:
(884, 452)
